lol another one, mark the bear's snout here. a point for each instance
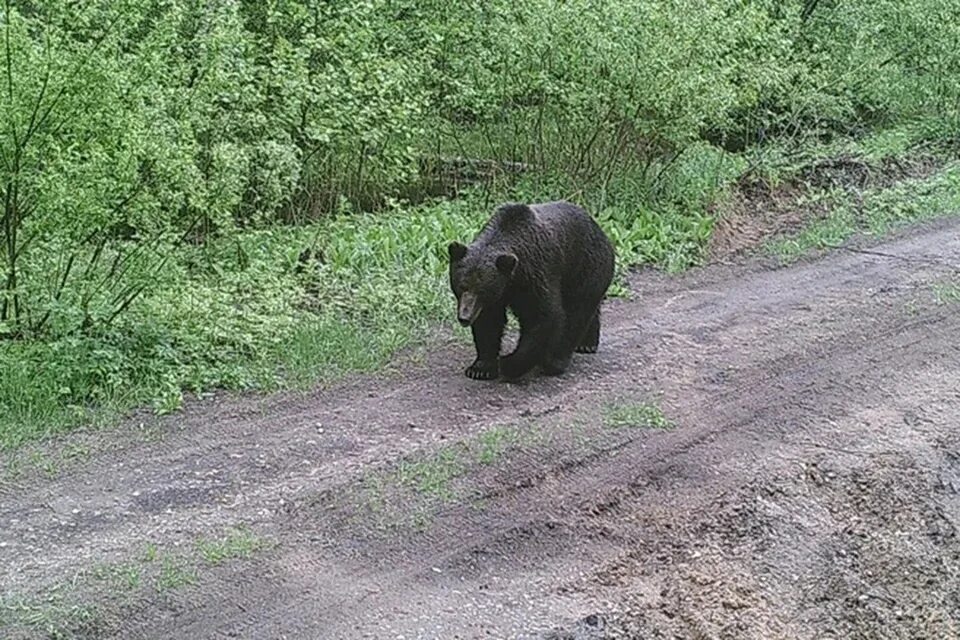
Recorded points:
(468, 308)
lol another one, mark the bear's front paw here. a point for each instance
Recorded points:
(483, 370)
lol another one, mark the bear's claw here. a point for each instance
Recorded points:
(481, 370)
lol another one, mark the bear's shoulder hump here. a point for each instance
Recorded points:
(514, 215)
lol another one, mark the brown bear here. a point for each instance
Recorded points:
(551, 265)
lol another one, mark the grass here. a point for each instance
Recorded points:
(409, 492)
(150, 552)
(120, 577)
(874, 212)
(494, 442)
(54, 618)
(432, 477)
(413, 488)
(634, 415)
(43, 463)
(946, 292)
(237, 543)
(174, 574)
(47, 463)
(76, 607)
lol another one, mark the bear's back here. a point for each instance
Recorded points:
(541, 219)
(557, 235)
(571, 228)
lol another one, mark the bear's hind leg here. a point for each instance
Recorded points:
(538, 336)
(532, 344)
(577, 327)
(555, 365)
(590, 341)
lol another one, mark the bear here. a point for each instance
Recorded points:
(550, 264)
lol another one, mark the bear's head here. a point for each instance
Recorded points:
(478, 278)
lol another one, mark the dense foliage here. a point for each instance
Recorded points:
(163, 163)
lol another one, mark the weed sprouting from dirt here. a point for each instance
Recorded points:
(78, 606)
(408, 493)
(48, 463)
(946, 292)
(174, 574)
(634, 415)
(75, 452)
(43, 463)
(150, 552)
(494, 442)
(54, 616)
(121, 577)
(432, 476)
(237, 543)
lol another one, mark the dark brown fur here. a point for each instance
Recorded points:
(551, 265)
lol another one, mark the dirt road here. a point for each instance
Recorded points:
(756, 452)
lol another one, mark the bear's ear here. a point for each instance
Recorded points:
(506, 264)
(457, 251)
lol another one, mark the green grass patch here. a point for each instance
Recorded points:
(175, 574)
(49, 463)
(238, 543)
(494, 442)
(875, 212)
(56, 616)
(150, 552)
(408, 492)
(946, 292)
(119, 578)
(432, 477)
(634, 415)
(78, 606)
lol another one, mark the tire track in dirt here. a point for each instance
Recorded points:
(763, 371)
